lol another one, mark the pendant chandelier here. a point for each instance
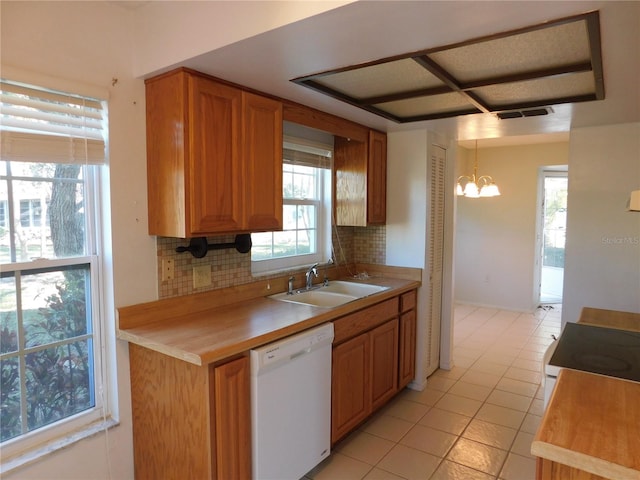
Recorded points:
(474, 186)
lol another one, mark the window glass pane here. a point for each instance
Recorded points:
(8, 316)
(54, 305)
(60, 203)
(289, 217)
(307, 216)
(4, 219)
(262, 243)
(59, 382)
(306, 241)
(10, 425)
(300, 182)
(284, 244)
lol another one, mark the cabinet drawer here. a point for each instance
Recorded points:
(359, 322)
(408, 301)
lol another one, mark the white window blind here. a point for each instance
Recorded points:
(43, 124)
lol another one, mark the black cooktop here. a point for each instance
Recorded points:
(602, 350)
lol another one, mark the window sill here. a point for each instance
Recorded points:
(39, 452)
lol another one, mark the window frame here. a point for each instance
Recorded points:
(324, 206)
(48, 438)
(98, 412)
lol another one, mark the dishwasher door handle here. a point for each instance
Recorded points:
(300, 353)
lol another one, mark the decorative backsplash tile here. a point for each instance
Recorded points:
(230, 268)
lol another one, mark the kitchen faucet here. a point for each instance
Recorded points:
(312, 272)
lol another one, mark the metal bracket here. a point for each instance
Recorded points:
(198, 246)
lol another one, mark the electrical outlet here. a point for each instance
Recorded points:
(201, 276)
(168, 272)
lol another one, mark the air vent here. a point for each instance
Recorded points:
(534, 112)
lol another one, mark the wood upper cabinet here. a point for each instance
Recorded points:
(214, 157)
(262, 144)
(189, 421)
(360, 180)
(377, 179)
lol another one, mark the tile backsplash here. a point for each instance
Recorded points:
(230, 268)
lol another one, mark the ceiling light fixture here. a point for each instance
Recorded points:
(474, 186)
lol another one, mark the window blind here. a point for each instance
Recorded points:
(51, 127)
(299, 152)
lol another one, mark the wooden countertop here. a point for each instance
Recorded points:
(592, 423)
(610, 318)
(205, 328)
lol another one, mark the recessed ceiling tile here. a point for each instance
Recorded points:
(540, 91)
(425, 106)
(403, 75)
(541, 49)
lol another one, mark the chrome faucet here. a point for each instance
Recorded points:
(312, 272)
(290, 286)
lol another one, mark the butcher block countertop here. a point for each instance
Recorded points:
(592, 423)
(610, 318)
(207, 327)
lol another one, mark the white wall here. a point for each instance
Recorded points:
(167, 33)
(602, 265)
(408, 205)
(84, 46)
(496, 237)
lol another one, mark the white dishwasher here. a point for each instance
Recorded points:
(291, 404)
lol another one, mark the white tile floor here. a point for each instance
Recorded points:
(475, 421)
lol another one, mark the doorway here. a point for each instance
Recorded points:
(552, 233)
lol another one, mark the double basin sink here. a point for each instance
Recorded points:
(334, 294)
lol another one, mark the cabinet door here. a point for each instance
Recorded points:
(350, 388)
(215, 170)
(377, 179)
(349, 181)
(262, 144)
(384, 363)
(407, 356)
(232, 418)
(167, 117)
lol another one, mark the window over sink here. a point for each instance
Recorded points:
(306, 235)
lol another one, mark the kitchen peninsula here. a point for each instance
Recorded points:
(591, 427)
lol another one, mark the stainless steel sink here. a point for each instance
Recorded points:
(333, 295)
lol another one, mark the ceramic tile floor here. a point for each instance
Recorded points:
(474, 422)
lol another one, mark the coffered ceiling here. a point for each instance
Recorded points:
(512, 73)
(446, 66)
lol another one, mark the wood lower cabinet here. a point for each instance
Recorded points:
(367, 354)
(189, 421)
(384, 363)
(549, 470)
(407, 353)
(350, 385)
(214, 157)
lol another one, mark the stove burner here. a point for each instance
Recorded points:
(600, 363)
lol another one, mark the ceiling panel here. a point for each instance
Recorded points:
(441, 105)
(544, 48)
(381, 79)
(542, 91)
(546, 64)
